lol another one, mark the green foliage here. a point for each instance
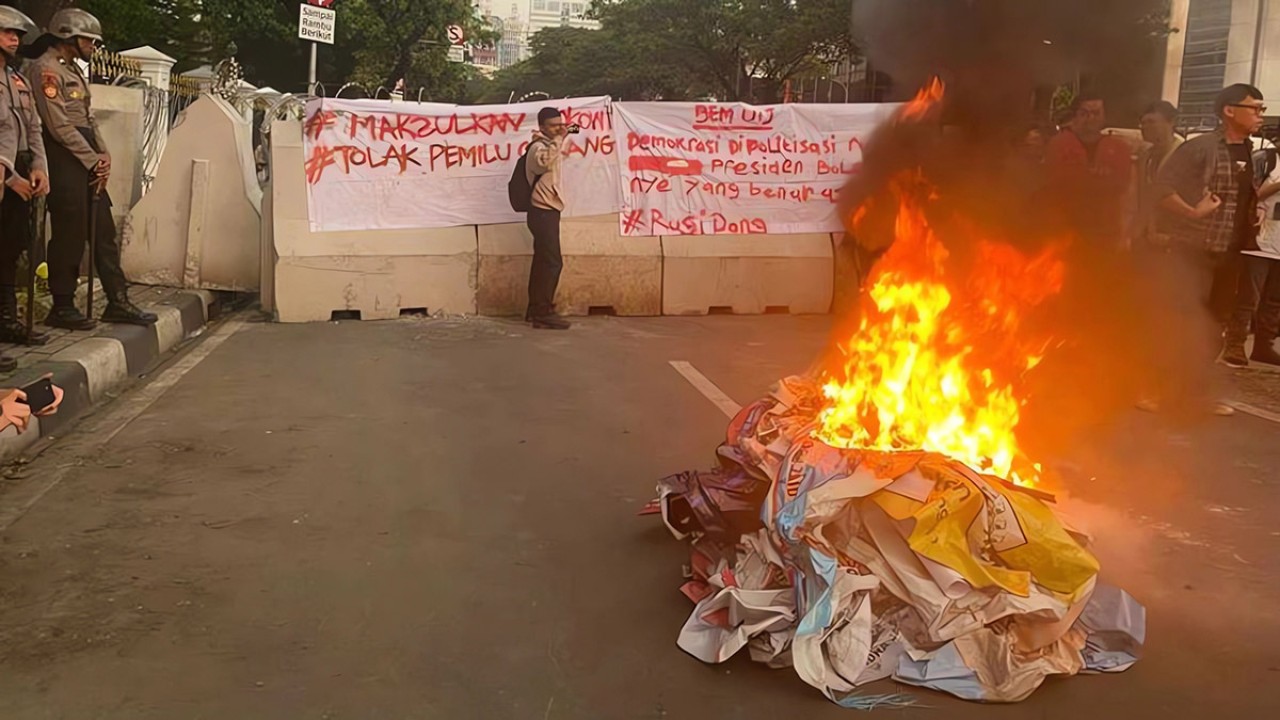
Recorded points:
(682, 49)
(578, 62)
(378, 41)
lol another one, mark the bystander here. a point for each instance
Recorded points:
(1208, 204)
(1157, 123)
(542, 170)
(1088, 175)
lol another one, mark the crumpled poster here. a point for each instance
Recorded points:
(991, 535)
(1116, 625)
(861, 565)
(724, 623)
(985, 665)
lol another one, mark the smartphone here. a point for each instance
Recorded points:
(39, 394)
(573, 129)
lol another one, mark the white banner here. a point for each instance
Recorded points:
(730, 168)
(378, 164)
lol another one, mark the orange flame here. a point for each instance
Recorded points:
(929, 97)
(939, 364)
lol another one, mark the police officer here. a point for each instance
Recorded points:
(30, 176)
(79, 166)
(13, 24)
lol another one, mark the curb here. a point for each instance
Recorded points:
(95, 366)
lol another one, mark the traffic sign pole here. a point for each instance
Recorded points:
(315, 25)
(311, 71)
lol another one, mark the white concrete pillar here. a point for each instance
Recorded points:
(156, 66)
(1242, 43)
(1175, 49)
(1269, 62)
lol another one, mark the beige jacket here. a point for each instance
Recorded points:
(543, 166)
(17, 102)
(63, 102)
(8, 146)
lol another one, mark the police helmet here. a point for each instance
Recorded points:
(14, 19)
(74, 22)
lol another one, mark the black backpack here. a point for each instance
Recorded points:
(519, 191)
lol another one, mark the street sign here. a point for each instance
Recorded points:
(316, 24)
(456, 54)
(456, 35)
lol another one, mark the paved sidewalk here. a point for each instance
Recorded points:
(89, 366)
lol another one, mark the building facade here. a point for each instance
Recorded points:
(559, 13)
(514, 44)
(1218, 43)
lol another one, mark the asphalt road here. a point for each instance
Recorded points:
(437, 519)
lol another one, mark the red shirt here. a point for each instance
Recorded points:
(1089, 186)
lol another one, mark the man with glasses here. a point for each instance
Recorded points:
(79, 167)
(1208, 209)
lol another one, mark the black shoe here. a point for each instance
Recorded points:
(1234, 357)
(7, 364)
(68, 317)
(12, 331)
(550, 322)
(123, 311)
(1264, 352)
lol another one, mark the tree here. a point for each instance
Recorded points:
(378, 41)
(995, 51)
(407, 39)
(42, 10)
(680, 49)
(575, 61)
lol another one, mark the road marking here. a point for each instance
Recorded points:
(1255, 411)
(94, 433)
(707, 388)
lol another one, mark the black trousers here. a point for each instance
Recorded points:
(1257, 302)
(69, 211)
(544, 275)
(15, 230)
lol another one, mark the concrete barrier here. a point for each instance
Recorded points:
(379, 274)
(200, 225)
(602, 270)
(118, 111)
(267, 254)
(746, 274)
(371, 275)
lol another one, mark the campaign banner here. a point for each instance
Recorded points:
(381, 164)
(737, 169)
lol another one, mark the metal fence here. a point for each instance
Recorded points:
(108, 68)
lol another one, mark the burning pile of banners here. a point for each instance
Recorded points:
(854, 566)
(881, 520)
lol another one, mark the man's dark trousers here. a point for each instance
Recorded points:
(544, 275)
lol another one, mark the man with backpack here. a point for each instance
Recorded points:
(540, 196)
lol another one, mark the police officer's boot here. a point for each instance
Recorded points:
(67, 316)
(11, 329)
(121, 310)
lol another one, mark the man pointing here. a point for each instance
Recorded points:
(542, 170)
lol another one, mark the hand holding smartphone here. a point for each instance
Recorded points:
(39, 395)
